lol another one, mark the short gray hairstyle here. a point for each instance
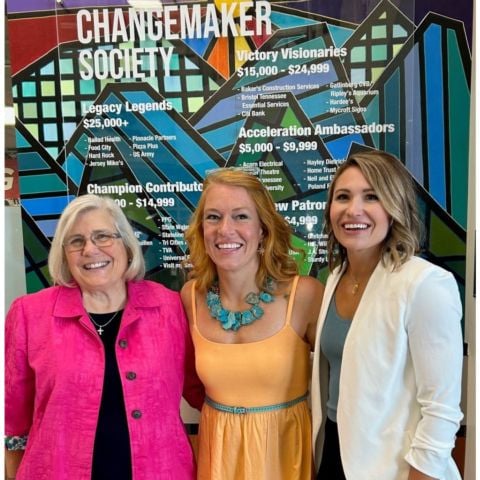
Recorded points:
(57, 261)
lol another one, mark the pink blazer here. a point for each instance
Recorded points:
(54, 371)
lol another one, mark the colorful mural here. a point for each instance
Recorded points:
(291, 103)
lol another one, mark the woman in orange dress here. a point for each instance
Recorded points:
(253, 320)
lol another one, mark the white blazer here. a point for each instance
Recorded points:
(400, 380)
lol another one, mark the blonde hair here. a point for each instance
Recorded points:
(57, 262)
(276, 261)
(394, 186)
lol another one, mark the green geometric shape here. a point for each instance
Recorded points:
(46, 273)
(304, 266)
(443, 241)
(68, 87)
(66, 65)
(379, 31)
(277, 195)
(323, 274)
(358, 54)
(47, 88)
(290, 118)
(175, 62)
(195, 103)
(33, 282)
(194, 83)
(104, 174)
(36, 249)
(396, 48)
(459, 127)
(69, 109)
(376, 72)
(49, 109)
(139, 215)
(379, 52)
(456, 266)
(33, 129)
(30, 110)
(212, 84)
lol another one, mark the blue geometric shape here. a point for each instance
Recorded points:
(46, 205)
(413, 113)
(435, 117)
(48, 227)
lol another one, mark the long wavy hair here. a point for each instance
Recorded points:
(394, 186)
(276, 261)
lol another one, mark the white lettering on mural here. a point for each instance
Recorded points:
(243, 18)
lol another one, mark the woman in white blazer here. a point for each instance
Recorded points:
(388, 357)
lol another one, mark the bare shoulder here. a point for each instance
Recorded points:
(308, 300)
(310, 289)
(186, 295)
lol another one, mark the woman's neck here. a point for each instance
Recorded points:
(361, 267)
(104, 301)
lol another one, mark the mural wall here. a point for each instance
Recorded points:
(142, 104)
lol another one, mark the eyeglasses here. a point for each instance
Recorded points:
(98, 238)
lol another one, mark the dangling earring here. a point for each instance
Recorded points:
(261, 250)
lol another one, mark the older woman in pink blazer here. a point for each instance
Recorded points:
(96, 365)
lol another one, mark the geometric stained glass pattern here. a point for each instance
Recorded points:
(52, 89)
(153, 205)
(376, 42)
(220, 53)
(425, 92)
(222, 116)
(420, 87)
(188, 82)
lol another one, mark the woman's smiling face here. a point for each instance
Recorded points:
(232, 230)
(359, 221)
(94, 268)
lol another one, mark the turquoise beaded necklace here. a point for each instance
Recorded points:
(234, 320)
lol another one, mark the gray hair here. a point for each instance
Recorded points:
(57, 262)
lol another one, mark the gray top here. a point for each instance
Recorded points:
(332, 340)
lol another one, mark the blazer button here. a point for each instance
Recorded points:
(122, 344)
(131, 375)
(136, 414)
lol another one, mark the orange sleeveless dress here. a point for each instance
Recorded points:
(267, 445)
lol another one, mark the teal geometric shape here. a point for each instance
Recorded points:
(21, 140)
(339, 34)
(74, 168)
(31, 161)
(41, 183)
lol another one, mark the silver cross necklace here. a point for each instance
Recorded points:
(100, 328)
